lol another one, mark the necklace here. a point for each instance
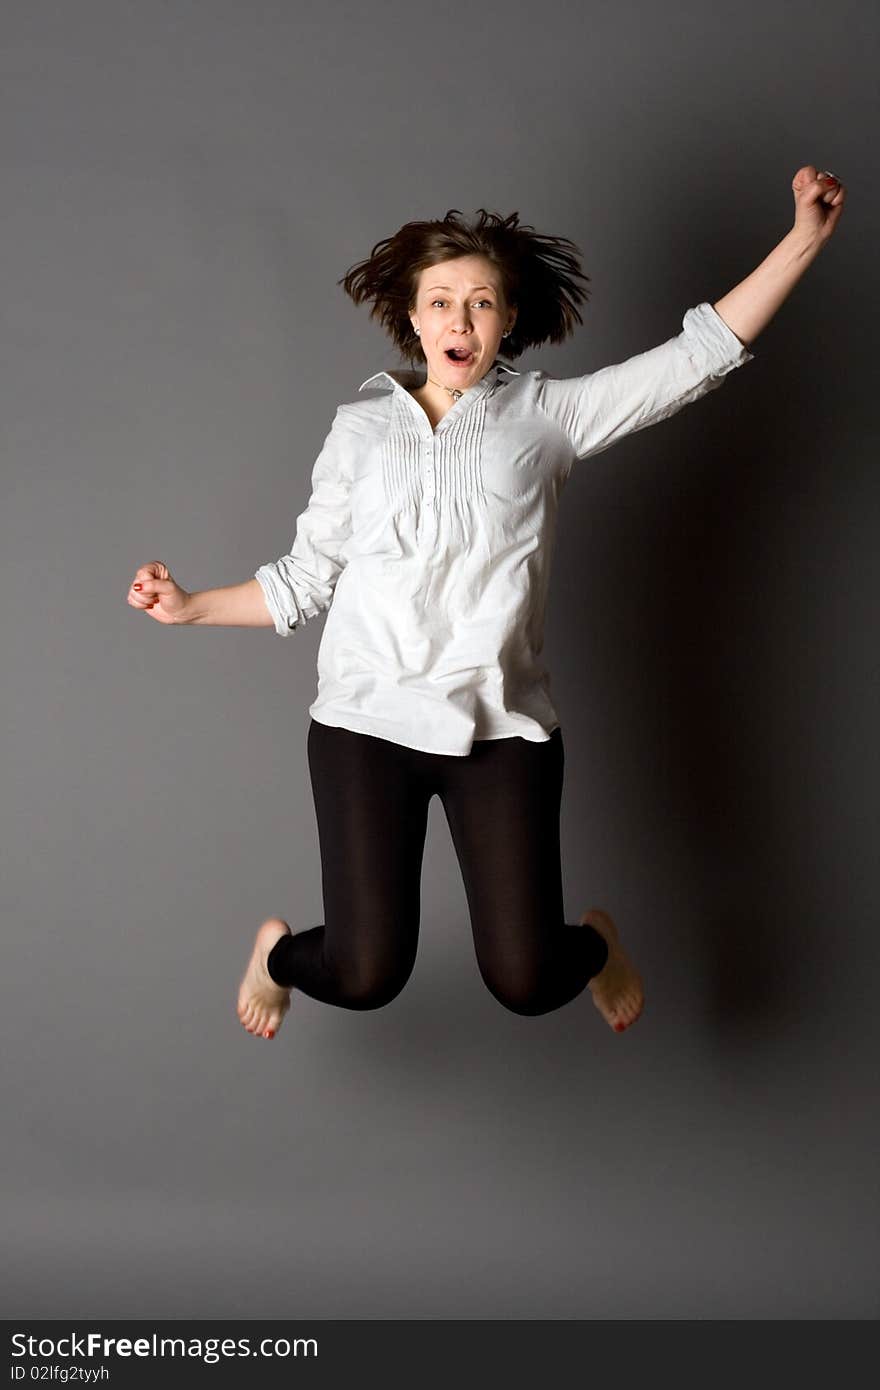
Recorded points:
(453, 391)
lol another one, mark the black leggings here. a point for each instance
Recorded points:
(502, 803)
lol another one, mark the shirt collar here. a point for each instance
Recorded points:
(408, 377)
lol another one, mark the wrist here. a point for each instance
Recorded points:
(804, 244)
(191, 612)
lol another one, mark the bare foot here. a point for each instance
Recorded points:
(617, 990)
(262, 1003)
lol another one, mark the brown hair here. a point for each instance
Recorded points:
(538, 275)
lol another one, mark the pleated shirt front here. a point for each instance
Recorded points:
(430, 548)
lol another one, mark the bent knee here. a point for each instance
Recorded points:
(371, 987)
(520, 997)
(528, 1005)
(522, 991)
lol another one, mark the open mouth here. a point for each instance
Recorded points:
(462, 357)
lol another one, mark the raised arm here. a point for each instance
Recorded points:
(597, 410)
(750, 305)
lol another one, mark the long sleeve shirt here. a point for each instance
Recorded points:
(430, 548)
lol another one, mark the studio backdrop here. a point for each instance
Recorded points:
(183, 187)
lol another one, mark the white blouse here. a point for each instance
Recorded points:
(431, 548)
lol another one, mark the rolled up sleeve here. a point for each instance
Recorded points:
(597, 410)
(300, 584)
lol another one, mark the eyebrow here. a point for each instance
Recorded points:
(448, 287)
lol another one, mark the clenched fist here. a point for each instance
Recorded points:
(154, 591)
(818, 202)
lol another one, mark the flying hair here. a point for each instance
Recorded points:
(539, 275)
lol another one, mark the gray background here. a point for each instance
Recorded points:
(182, 187)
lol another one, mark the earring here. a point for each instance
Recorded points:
(417, 331)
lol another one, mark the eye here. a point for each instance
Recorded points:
(443, 301)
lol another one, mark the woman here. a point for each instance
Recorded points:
(427, 540)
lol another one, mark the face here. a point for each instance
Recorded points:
(460, 304)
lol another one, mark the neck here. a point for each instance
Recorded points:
(431, 386)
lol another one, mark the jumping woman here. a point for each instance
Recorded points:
(427, 540)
